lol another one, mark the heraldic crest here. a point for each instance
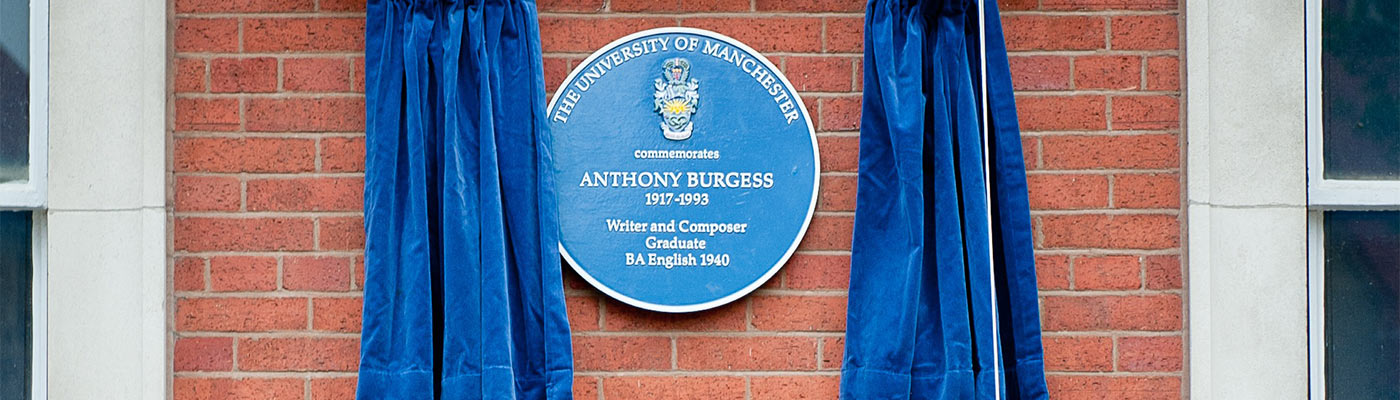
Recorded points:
(677, 98)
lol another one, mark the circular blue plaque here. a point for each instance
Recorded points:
(686, 168)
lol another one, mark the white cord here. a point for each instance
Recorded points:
(987, 191)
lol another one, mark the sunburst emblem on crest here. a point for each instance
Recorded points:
(677, 98)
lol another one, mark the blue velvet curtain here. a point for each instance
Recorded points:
(928, 318)
(463, 294)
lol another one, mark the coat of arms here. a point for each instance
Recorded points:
(677, 98)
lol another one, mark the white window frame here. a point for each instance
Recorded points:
(1327, 195)
(32, 194)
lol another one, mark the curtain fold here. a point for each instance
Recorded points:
(927, 317)
(463, 294)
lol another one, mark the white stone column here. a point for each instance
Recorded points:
(107, 218)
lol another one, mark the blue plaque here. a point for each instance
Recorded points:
(686, 168)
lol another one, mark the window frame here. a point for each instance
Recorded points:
(39, 309)
(1327, 195)
(31, 195)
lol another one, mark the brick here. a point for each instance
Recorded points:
(1120, 231)
(828, 232)
(302, 354)
(840, 113)
(1067, 191)
(212, 35)
(1145, 32)
(358, 76)
(242, 234)
(357, 273)
(316, 74)
(188, 274)
(796, 387)
(1087, 387)
(674, 387)
(1150, 354)
(677, 5)
(342, 5)
(1094, 152)
(767, 34)
(586, 6)
(555, 70)
(240, 314)
(316, 273)
(1042, 32)
(207, 193)
(201, 388)
(573, 282)
(266, 35)
(243, 6)
(799, 313)
(256, 155)
(586, 34)
(1078, 353)
(242, 274)
(333, 388)
(1147, 191)
(1163, 73)
(810, 6)
(583, 313)
(746, 353)
(839, 153)
(845, 34)
(243, 75)
(1146, 112)
(1030, 152)
(838, 193)
(220, 114)
(1163, 272)
(337, 314)
(343, 154)
(1109, 5)
(1108, 72)
(860, 75)
(190, 74)
(1018, 5)
(609, 353)
(343, 233)
(818, 271)
(1052, 272)
(625, 318)
(1127, 313)
(203, 354)
(306, 194)
(820, 74)
(586, 387)
(833, 350)
(322, 114)
(1061, 113)
(1040, 72)
(1107, 273)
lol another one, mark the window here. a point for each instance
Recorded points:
(23, 173)
(1354, 198)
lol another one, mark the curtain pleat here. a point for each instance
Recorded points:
(463, 294)
(927, 317)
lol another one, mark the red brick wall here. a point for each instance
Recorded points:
(268, 165)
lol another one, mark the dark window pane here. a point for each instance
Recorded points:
(16, 270)
(1361, 89)
(14, 90)
(1362, 281)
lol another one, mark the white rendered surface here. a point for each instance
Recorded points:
(1247, 196)
(107, 242)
